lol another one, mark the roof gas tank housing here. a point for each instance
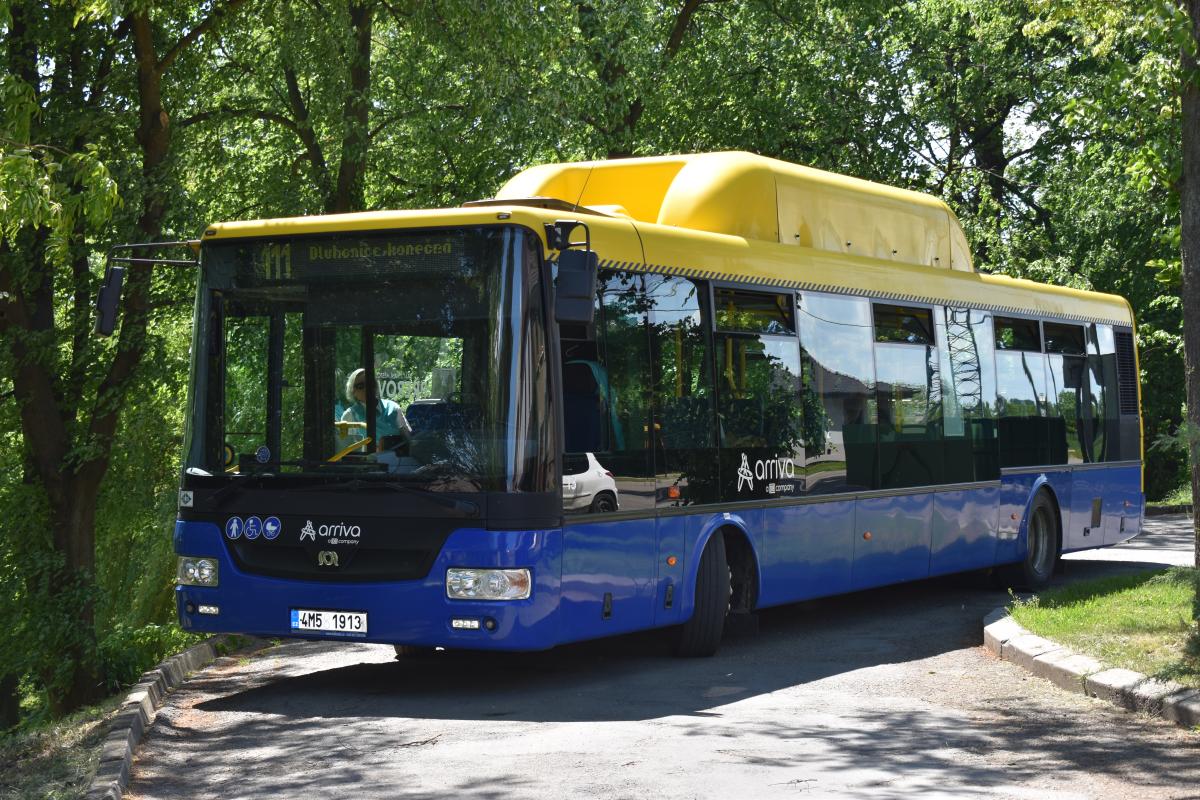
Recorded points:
(754, 197)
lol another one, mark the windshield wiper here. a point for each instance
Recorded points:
(253, 476)
(234, 488)
(465, 508)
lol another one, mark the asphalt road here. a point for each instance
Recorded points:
(878, 694)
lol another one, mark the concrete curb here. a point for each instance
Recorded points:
(1079, 673)
(137, 713)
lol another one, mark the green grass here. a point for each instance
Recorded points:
(1142, 622)
(1182, 496)
(54, 760)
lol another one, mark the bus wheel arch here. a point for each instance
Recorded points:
(743, 570)
(1043, 541)
(725, 581)
(1043, 486)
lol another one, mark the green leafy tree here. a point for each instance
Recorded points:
(63, 88)
(1152, 100)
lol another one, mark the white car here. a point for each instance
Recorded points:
(586, 484)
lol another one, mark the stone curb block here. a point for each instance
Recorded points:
(1183, 707)
(1114, 685)
(1023, 650)
(1001, 631)
(1079, 673)
(137, 713)
(1066, 669)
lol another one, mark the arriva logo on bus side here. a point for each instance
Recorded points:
(771, 469)
(339, 529)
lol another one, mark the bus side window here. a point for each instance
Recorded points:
(908, 396)
(606, 416)
(1121, 354)
(1104, 405)
(1023, 395)
(837, 393)
(967, 353)
(758, 394)
(684, 431)
(1069, 420)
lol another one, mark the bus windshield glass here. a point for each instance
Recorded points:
(440, 332)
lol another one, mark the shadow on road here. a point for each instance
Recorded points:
(634, 677)
(361, 728)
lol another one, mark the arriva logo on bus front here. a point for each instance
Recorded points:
(338, 530)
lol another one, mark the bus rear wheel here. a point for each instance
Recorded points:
(1041, 551)
(700, 636)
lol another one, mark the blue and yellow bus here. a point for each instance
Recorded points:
(648, 393)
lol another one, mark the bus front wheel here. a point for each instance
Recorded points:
(407, 651)
(701, 635)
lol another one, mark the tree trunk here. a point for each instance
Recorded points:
(73, 524)
(10, 702)
(1189, 206)
(153, 132)
(349, 194)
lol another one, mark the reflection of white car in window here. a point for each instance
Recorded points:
(587, 485)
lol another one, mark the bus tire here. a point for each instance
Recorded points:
(407, 651)
(1041, 550)
(700, 636)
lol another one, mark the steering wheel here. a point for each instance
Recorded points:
(344, 426)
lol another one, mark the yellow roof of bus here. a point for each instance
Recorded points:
(742, 218)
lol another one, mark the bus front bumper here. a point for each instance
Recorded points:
(414, 612)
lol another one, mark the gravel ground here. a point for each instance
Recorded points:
(878, 694)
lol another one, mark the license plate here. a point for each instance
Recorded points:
(307, 619)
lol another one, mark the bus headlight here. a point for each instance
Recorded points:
(487, 584)
(196, 571)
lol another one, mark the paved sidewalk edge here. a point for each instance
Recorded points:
(1166, 511)
(137, 712)
(1079, 673)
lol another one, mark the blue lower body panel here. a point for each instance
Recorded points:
(807, 551)
(600, 577)
(964, 530)
(401, 612)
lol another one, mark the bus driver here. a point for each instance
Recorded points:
(389, 419)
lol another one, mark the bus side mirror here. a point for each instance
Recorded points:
(575, 291)
(108, 301)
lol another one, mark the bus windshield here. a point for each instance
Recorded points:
(440, 332)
